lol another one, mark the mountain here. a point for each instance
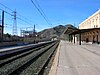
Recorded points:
(51, 32)
(69, 28)
(55, 32)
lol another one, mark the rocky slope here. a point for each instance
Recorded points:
(52, 32)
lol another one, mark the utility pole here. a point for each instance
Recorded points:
(0, 19)
(2, 25)
(34, 31)
(15, 24)
(21, 32)
(34, 34)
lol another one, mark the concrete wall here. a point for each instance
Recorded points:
(91, 36)
(3, 44)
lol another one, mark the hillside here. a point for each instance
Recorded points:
(66, 36)
(52, 32)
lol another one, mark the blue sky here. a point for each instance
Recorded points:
(58, 12)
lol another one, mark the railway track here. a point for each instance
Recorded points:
(27, 61)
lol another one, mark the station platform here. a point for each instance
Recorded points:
(74, 59)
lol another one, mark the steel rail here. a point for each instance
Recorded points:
(10, 53)
(18, 62)
(7, 60)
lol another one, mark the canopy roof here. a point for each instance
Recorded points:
(71, 31)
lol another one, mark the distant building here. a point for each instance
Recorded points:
(91, 22)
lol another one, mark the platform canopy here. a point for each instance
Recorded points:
(82, 31)
(70, 29)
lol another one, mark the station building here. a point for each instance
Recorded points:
(91, 22)
(88, 31)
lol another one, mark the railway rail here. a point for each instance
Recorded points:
(27, 61)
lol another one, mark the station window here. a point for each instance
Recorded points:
(96, 25)
(97, 17)
(93, 20)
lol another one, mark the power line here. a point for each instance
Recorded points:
(17, 17)
(17, 13)
(23, 20)
(24, 17)
(40, 12)
(15, 23)
(6, 7)
(8, 13)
